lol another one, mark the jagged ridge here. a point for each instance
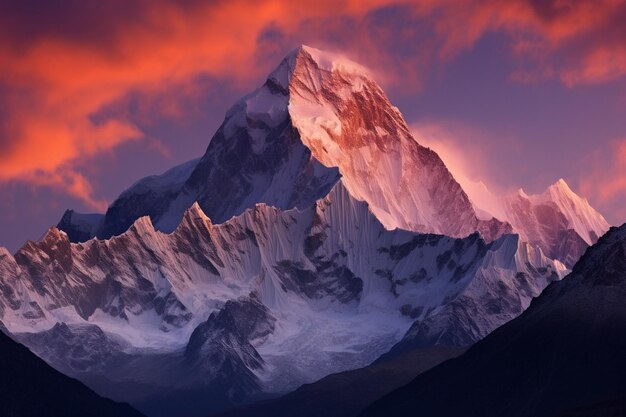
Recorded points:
(331, 272)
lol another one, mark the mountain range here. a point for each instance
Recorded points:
(314, 236)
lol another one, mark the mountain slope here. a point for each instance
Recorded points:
(317, 118)
(334, 288)
(31, 388)
(565, 351)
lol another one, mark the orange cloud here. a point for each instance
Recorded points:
(588, 39)
(600, 65)
(58, 78)
(60, 68)
(69, 180)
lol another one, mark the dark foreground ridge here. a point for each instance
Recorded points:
(564, 356)
(345, 394)
(31, 388)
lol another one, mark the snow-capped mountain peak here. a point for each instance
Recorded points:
(558, 220)
(330, 61)
(578, 213)
(347, 121)
(318, 119)
(583, 218)
(323, 60)
(561, 184)
(194, 214)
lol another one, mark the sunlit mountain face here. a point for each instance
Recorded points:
(312, 209)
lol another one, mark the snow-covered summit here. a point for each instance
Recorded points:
(330, 61)
(318, 119)
(558, 220)
(326, 61)
(347, 121)
(584, 219)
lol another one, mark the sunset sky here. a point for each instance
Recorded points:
(96, 94)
